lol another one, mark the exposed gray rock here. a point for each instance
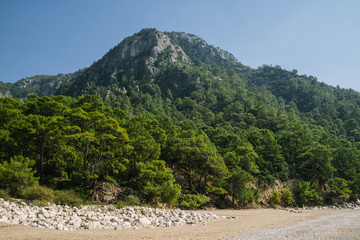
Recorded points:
(197, 48)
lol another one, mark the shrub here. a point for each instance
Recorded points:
(4, 194)
(157, 182)
(170, 192)
(40, 203)
(190, 201)
(130, 200)
(339, 186)
(111, 180)
(17, 174)
(67, 197)
(275, 198)
(307, 194)
(287, 197)
(77, 179)
(82, 194)
(39, 193)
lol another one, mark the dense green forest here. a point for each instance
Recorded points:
(194, 132)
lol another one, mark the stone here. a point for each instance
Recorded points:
(126, 225)
(94, 225)
(60, 226)
(96, 217)
(15, 221)
(143, 222)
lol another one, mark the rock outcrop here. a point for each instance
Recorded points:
(197, 48)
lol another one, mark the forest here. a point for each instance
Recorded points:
(220, 144)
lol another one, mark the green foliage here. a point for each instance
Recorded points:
(339, 186)
(271, 161)
(170, 192)
(77, 179)
(216, 129)
(4, 194)
(238, 186)
(130, 200)
(67, 197)
(111, 180)
(190, 201)
(38, 193)
(157, 182)
(17, 174)
(197, 159)
(306, 194)
(287, 197)
(275, 198)
(316, 163)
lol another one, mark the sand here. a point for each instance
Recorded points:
(248, 224)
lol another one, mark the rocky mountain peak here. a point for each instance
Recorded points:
(141, 56)
(149, 49)
(154, 43)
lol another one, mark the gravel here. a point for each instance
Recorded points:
(344, 225)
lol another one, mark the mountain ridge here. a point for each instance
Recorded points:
(143, 53)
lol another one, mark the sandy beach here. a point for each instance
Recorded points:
(248, 224)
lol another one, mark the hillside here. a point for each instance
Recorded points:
(165, 112)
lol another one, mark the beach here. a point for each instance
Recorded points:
(242, 224)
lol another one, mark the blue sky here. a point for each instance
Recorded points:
(316, 37)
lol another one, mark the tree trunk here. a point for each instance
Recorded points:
(86, 154)
(42, 164)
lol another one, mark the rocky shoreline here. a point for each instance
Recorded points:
(109, 217)
(349, 206)
(97, 217)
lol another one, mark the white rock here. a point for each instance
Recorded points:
(4, 219)
(126, 225)
(15, 221)
(60, 226)
(144, 222)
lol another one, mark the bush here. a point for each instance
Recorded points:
(17, 174)
(275, 198)
(157, 182)
(190, 201)
(287, 197)
(40, 203)
(307, 194)
(4, 194)
(130, 200)
(67, 197)
(111, 180)
(339, 186)
(39, 193)
(170, 192)
(77, 179)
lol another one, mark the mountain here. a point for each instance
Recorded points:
(219, 125)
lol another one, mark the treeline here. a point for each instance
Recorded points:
(214, 145)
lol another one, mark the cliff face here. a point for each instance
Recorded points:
(196, 48)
